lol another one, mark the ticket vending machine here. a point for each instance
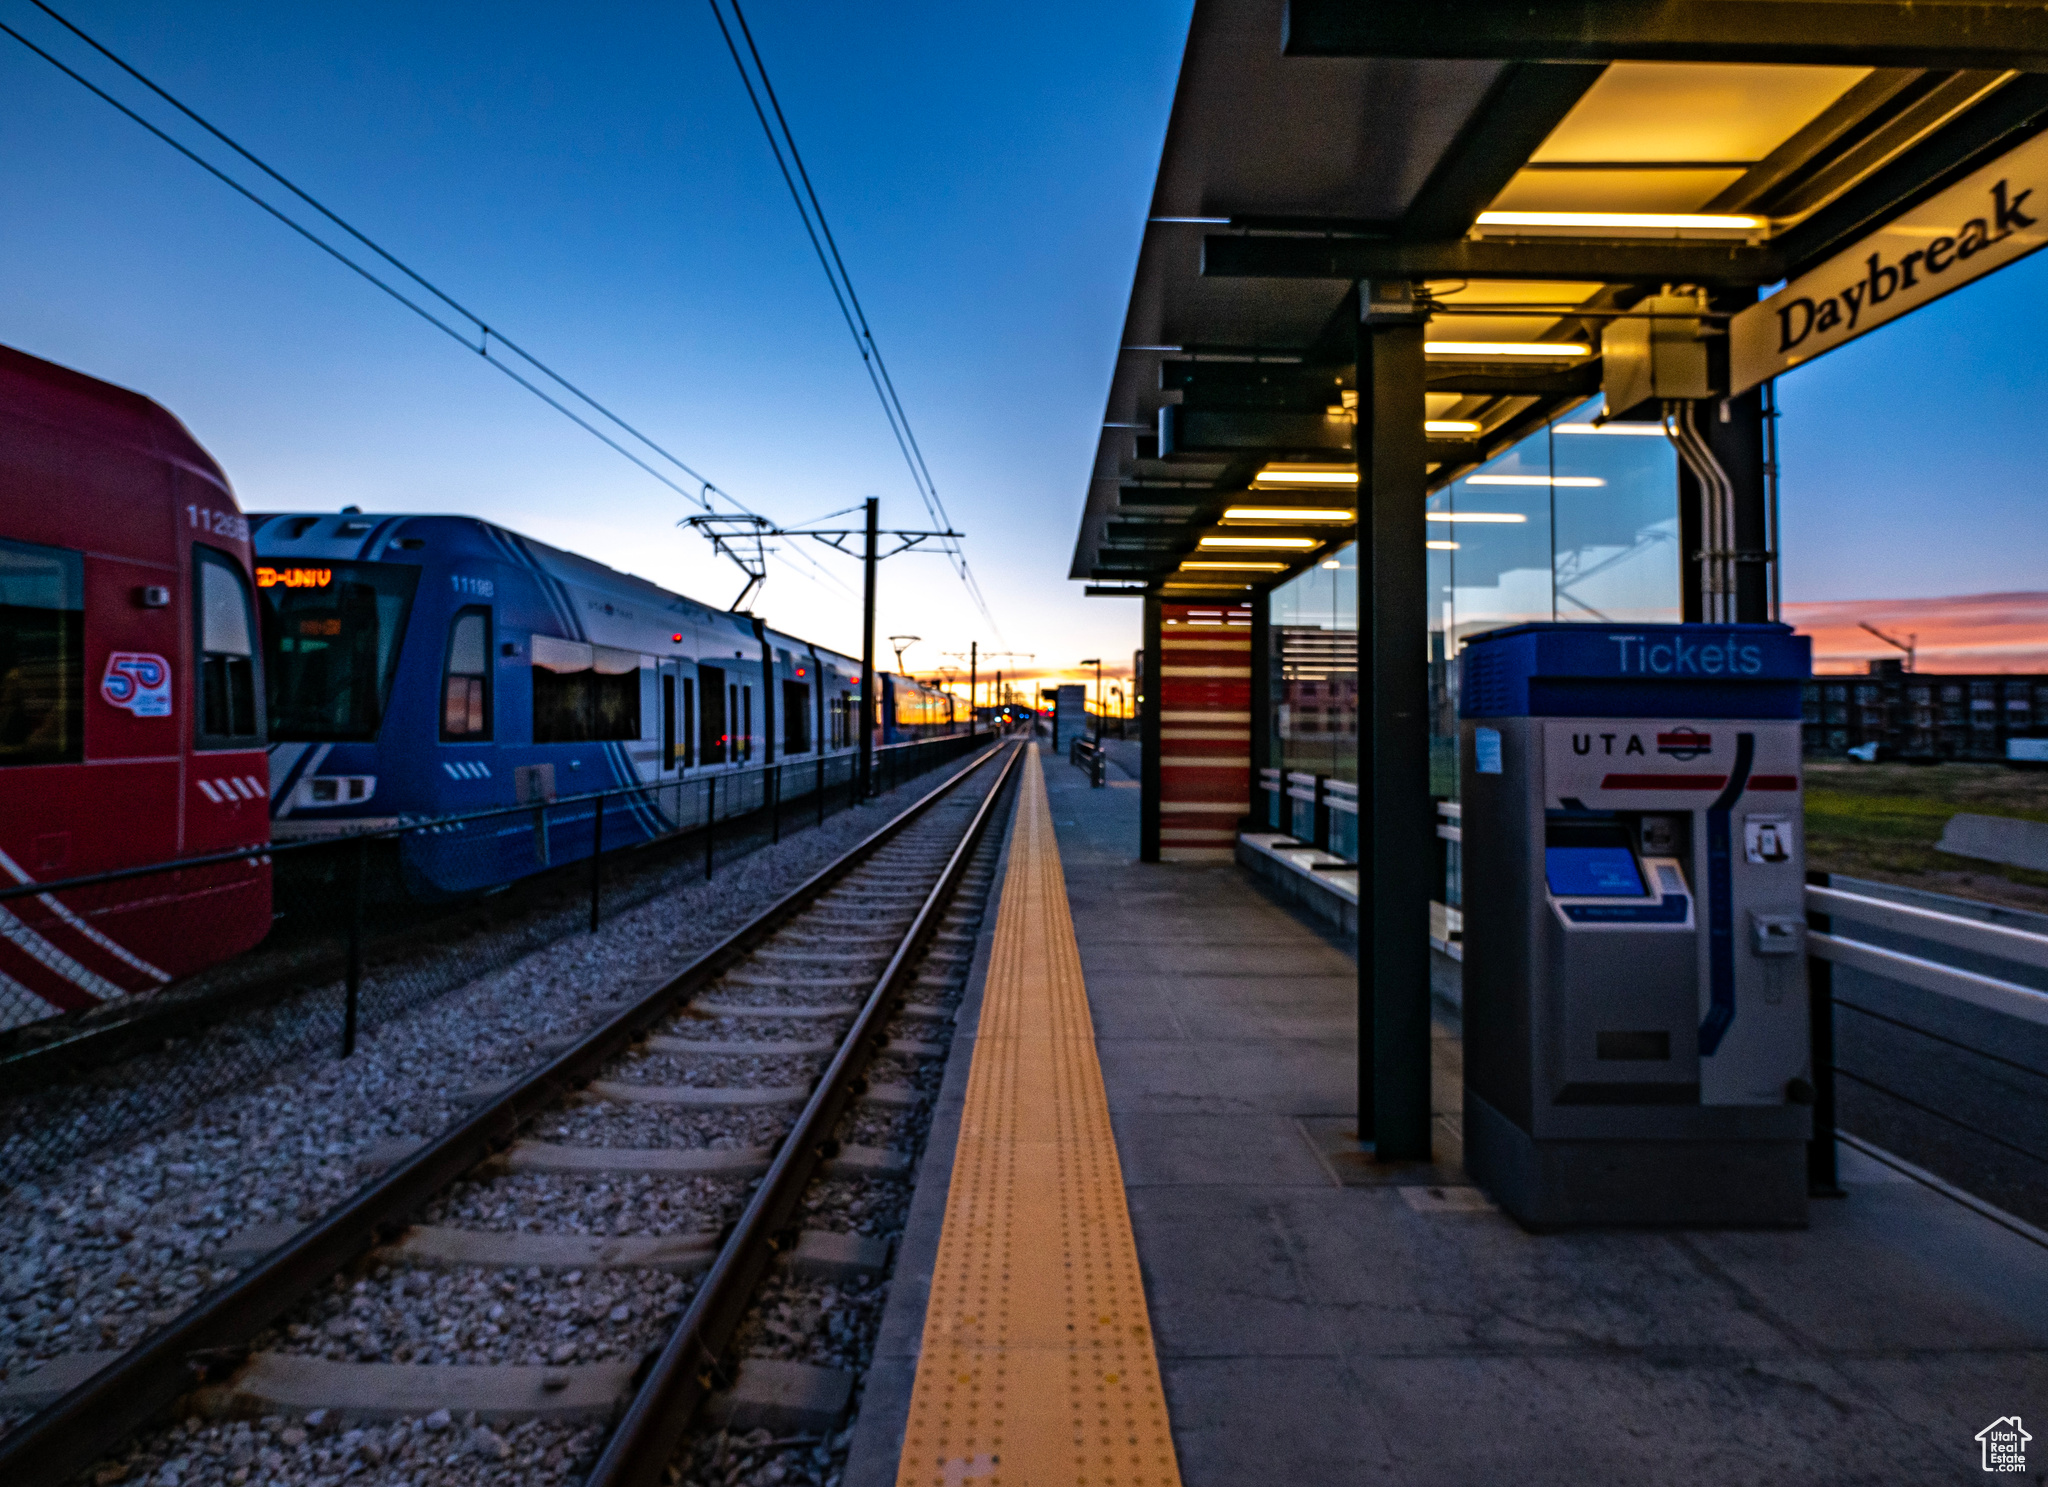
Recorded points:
(1636, 1024)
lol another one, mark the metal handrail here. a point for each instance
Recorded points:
(1963, 933)
(1991, 992)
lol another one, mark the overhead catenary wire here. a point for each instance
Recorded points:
(812, 212)
(485, 332)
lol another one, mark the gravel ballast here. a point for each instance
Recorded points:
(394, 1309)
(100, 1254)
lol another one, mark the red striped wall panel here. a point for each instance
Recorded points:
(1205, 729)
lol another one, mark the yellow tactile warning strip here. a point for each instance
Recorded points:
(1037, 1368)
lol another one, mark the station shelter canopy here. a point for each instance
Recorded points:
(1390, 241)
(1535, 173)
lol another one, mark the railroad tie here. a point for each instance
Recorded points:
(738, 1047)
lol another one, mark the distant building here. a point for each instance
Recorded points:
(1924, 715)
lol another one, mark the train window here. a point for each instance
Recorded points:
(227, 654)
(712, 732)
(42, 655)
(584, 693)
(796, 718)
(331, 637)
(668, 720)
(466, 678)
(689, 722)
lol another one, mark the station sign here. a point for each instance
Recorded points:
(1992, 217)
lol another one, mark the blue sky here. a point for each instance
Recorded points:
(1912, 458)
(591, 180)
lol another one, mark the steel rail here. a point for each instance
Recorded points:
(209, 1341)
(638, 1451)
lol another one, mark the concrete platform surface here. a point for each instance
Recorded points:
(1322, 1320)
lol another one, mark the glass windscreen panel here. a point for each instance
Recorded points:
(1576, 522)
(1313, 666)
(584, 693)
(465, 683)
(227, 653)
(42, 655)
(331, 638)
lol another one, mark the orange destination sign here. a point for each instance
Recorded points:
(293, 578)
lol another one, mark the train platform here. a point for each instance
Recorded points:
(1318, 1318)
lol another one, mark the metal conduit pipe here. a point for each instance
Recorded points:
(1717, 512)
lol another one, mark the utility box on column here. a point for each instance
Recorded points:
(1635, 1009)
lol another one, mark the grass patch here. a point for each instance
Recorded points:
(1881, 821)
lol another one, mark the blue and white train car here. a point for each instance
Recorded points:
(426, 666)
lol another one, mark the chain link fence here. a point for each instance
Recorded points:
(361, 928)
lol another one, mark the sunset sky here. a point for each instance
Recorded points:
(592, 180)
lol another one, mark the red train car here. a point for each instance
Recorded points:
(131, 696)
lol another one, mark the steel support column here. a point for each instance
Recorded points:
(1735, 432)
(864, 785)
(1148, 736)
(1396, 825)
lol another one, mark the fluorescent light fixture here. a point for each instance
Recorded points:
(1449, 426)
(1283, 476)
(1192, 566)
(1331, 563)
(1555, 350)
(1485, 516)
(1201, 588)
(1434, 545)
(1703, 220)
(1652, 430)
(1577, 482)
(1303, 514)
(1295, 544)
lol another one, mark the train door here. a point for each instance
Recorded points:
(746, 713)
(227, 723)
(796, 718)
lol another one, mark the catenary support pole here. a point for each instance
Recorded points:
(973, 659)
(1396, 824)
(865, 778)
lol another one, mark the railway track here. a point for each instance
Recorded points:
(571, 1264)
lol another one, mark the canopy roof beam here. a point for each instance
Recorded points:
(1627, 262)
(2008, 35)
